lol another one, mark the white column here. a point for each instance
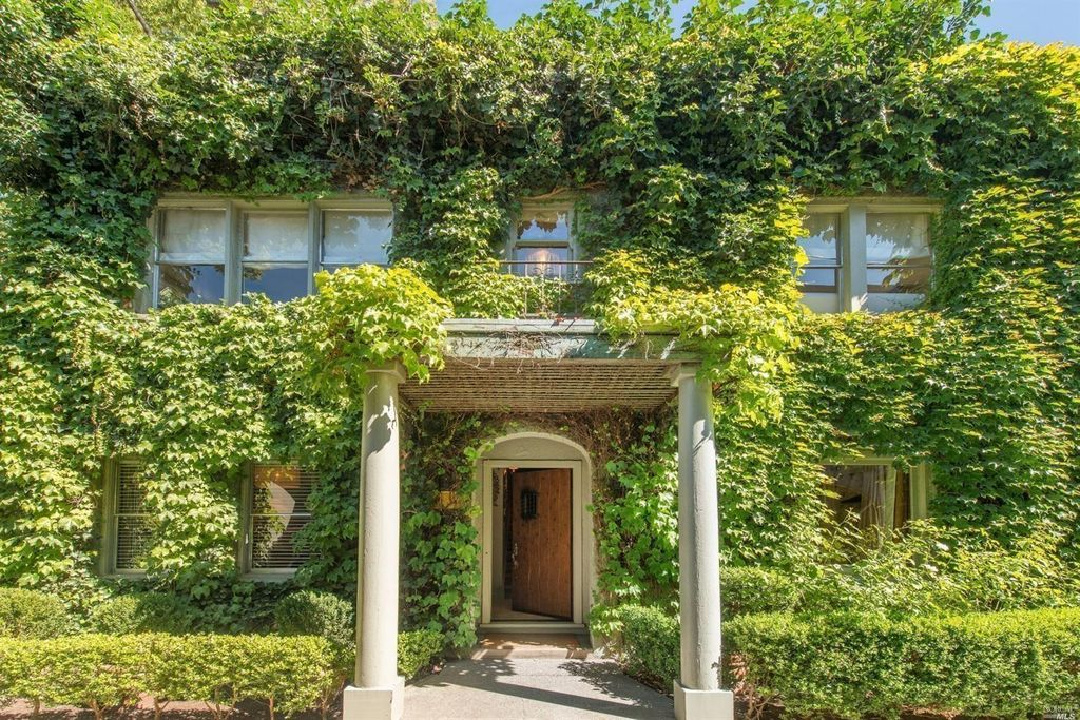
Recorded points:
(697, 693)
(378, 691)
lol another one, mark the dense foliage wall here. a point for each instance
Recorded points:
(693, 155)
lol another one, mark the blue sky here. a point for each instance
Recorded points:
(1041, 21)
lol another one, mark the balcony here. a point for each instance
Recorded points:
(565, 296)
(569, 271)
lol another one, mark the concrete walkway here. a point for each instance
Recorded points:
(536, 688)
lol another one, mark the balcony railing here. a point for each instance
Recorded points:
(552, 300)
(569, 271)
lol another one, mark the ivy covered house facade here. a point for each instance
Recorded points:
(496, 330)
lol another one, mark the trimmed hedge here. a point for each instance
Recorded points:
(107, 672)
(32, 614)
(1006, 664)
(417, 650)
(650, 644)
(313, 612)
(850, 665)
(745, 590)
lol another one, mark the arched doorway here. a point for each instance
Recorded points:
(536, 536)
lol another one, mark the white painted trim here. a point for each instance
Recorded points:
(235, 211)
(109, 528)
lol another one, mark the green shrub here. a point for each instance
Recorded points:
(105, 672)
(145, 612)
(32, 614)
(417, 649)
(1007, 664)
(649, 644)
(311, 612)
(746, 590)
(117, 616)
(924, 570)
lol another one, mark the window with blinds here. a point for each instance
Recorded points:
(279, 511)
(132, 521)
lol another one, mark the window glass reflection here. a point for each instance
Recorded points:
(822, 247)
(355, 238)
(544, 224)
(195, 284)
(280, 283)
(897, 252)
(544, 261)
(820, 242)
(279, 512)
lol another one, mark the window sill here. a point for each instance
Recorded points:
(269, 576)
(125, 575)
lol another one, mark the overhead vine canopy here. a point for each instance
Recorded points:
(693, 154)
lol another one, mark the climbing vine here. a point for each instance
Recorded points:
(691, 156)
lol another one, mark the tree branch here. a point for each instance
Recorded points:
(138, 16)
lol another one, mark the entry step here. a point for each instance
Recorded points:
(498, 646)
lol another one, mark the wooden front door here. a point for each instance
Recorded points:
(543, 572)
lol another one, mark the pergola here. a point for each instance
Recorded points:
(540, 366)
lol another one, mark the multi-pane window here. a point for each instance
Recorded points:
(897, 252)
(276, 254)
(542, 243)
(191, 257)
(821, 243)
(866, 254)
(218, 251)
(279, 510)
(354, 237)
(129, 525)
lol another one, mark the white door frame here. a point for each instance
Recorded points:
(487, 533)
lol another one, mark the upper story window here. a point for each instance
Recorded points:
(822, 246)
(542, 243)
(898, 253)
(866, 254)
(218, 250)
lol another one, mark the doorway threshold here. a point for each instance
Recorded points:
(533, 646)
(534, 627)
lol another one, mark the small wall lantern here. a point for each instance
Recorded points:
(448, 500)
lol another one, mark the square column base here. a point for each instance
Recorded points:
(379, 703)
(693, 704)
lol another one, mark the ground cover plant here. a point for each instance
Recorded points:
(693, 156)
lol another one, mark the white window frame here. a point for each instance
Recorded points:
(235, 210)
(529, 205)
(852, 294)
(244, 560)
(110, 521)
(920, 486)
